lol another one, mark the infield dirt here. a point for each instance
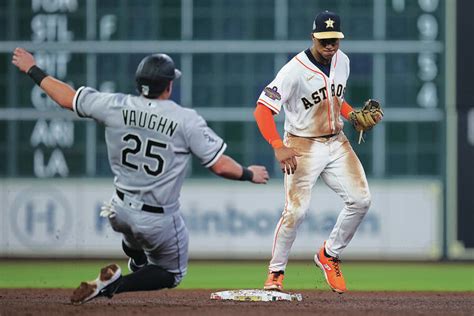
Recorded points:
(197, 302)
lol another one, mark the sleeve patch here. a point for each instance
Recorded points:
(272, 93)
(210, 139)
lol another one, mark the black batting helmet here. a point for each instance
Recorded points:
(154, 73)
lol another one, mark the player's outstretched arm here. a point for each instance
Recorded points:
(228, 168)
(62, 93)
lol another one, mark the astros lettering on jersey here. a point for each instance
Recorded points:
(312, 100)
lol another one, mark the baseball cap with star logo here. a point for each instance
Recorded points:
(327, 25)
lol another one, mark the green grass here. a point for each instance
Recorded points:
(235, 275)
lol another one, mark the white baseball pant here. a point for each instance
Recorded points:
(336, 163)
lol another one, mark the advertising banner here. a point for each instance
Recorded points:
(226, 220)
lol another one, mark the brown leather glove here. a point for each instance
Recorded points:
(367, 117)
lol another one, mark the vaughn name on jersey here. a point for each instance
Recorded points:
(151, 121)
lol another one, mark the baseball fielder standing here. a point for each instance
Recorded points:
(310, 88)
(149, 142)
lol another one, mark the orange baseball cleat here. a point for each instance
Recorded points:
(332, 271)
(274, 281)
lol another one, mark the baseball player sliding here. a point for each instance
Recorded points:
(310, 88)
(149, 142)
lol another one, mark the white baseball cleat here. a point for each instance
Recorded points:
(104, 285)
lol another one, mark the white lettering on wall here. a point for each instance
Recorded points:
(55, 165)
(58, 132)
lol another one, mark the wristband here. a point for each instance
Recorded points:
(247, 174)
(36, 74)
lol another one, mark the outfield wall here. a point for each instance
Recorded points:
(228, 220)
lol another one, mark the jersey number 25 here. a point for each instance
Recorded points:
(149, 153)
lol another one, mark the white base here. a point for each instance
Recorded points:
(255, 296)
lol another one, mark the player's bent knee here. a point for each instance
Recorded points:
(162, 278)
(364, 203)
(360, 203)
(293, 218)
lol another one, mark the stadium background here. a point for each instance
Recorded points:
(54, 170)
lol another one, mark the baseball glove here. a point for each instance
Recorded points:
(367, 117)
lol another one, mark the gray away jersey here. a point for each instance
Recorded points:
(149, 142)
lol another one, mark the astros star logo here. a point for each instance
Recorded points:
(329, 23)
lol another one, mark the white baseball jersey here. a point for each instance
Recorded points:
(149, 142)
(311, 100)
